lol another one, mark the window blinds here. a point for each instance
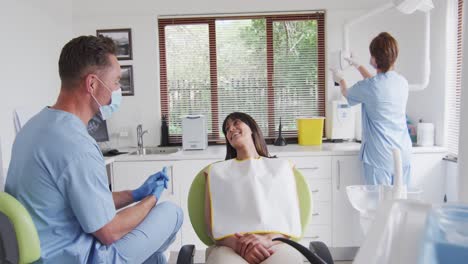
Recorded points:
(453, 73)
(270, 67)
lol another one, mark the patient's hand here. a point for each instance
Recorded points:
(254, 248)
(257, 254)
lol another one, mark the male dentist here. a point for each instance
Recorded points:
(57, 172)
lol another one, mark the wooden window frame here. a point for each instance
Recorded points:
(213, 137)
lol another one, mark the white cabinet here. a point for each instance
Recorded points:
(130, 175)
(428, 172)
(186, 173)
(334, 221)
(346, 230)
(316, 171)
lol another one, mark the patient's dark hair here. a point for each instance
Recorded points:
(83, 55)
(257, 136)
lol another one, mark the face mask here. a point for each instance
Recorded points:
(116, 98)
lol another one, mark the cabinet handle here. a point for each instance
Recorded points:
(315, 191)
(172, 180)
(315, 214)
(315, 237)
(307, 168)
(338, 182)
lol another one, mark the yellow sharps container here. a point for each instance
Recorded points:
(310, 130)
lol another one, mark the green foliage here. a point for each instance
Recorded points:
(241, 50)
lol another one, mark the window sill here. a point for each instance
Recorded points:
(451, 158)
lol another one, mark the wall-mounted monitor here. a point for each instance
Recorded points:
(97, 128)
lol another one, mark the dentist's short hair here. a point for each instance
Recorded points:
(384, 48)
(83, 55)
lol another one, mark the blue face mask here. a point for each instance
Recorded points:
(116, 99)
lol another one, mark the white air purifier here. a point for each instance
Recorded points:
(194, 132)
(340, 121)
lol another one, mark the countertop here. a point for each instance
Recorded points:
(218, 152)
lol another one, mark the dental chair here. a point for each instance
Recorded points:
(317, 253)
(19, 241)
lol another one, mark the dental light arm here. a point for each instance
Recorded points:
(406, 7)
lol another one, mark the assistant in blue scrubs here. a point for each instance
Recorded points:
(383, 98)
(58, 173)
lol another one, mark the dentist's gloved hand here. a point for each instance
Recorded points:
(148, 186)
(337, 75)
(160, 186)
(352, 60)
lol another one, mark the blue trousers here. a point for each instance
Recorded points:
(148, 241)
(378, 176)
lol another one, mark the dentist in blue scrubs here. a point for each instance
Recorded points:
(383, 98)
(57, 172)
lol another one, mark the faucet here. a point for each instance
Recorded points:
(140, 134)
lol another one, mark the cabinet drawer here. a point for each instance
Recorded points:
(313, 167)
(321, 214)
(317, 233)
(130, 175)
(320, 189)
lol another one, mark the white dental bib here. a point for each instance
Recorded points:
(254, 196)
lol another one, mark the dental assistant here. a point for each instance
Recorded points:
(58, 173)
(383, 98)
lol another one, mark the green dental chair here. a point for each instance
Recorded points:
(196, 210)
(19, 242)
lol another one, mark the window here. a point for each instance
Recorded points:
(269, 66)
(454, 67)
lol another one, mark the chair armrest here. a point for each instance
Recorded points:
(317, 254)
(186, 254)
(321, 250)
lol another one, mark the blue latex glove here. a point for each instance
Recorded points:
(148, 186)
(160, 186)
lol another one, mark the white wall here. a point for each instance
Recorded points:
(2, 177)
(463, 140)
(48, 28)
(144, 107)
(33, 33)
(452, 181)
(91, 8)
(429, 104)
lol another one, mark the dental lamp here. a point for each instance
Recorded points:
(405, 7)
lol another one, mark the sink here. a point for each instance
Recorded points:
(367, 198)
(156, 151)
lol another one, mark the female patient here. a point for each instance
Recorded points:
(250, 199)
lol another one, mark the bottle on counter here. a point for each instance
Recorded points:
(164, 132)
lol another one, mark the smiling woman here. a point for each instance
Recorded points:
(240, 128)
(260, 189)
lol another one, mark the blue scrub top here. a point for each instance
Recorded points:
(58, 173)
(383, 98)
